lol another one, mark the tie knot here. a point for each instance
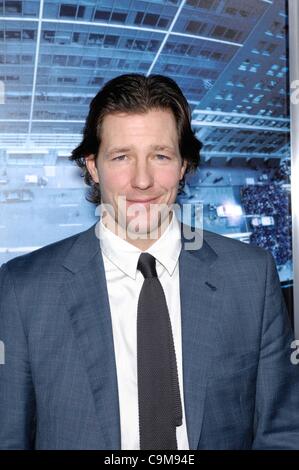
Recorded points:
(147, 265)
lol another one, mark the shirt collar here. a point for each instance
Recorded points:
(125, 256)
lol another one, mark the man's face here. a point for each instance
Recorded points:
(138, 159)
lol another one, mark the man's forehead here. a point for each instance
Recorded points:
(129, 126)
(136, 115)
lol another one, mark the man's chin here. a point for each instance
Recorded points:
(145, 230)
(146, 226)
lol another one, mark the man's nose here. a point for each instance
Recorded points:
(142, 175)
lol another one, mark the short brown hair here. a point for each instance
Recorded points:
(136, 93)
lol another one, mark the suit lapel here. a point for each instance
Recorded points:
(201, 292)
(86, 298)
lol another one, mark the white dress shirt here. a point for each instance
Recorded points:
(124, 284)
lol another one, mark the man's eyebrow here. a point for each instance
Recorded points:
(117, 150)
(163, 147)
(127, 149)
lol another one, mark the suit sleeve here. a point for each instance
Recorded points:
(276, 420)
(17, 404)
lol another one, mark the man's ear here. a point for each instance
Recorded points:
(90, 161)
(183, 168)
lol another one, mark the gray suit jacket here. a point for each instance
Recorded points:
(58, 386)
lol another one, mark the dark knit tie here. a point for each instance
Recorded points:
(160, 409)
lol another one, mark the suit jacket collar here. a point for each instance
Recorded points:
(86, 298)
(87, 245)
(201, 292)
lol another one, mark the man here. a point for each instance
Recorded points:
(85, 321)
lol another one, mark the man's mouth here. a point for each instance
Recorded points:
(141, 201)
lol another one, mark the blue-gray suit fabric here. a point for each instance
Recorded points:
(58, 386)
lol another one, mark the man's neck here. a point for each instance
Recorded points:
(142, 243)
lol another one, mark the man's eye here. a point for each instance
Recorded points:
(120, 157)
(163, 157)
